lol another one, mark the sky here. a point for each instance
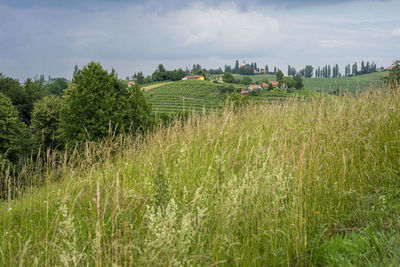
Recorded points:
(50, 37)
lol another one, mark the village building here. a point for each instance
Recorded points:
(244, 91)
(194, 77)
(131, 83)
(255, 87)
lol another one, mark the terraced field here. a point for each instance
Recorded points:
(184, 96)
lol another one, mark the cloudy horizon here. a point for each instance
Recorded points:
(130, 36)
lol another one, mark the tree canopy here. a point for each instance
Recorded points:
(98, 102)
(15, 137)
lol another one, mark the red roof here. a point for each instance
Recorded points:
(193, 76)
(264, 85)
(390, 67)
(244, 92)
(274, 83)
(255, 86)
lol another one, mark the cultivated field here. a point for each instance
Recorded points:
(189, 95)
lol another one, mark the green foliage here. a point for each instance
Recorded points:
(57, 87)
(279, 75)
(34, 91)
(246, 80)
(161, 74)
(299, 82)
(226, 88)
(393, 77)
(46, 119)
(228, 78)
(236, 101)
(15, 137)
(308, 71)
(99, 103)
(11, 88)
(288, 81)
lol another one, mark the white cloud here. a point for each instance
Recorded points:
(396, 32)
(334, 43)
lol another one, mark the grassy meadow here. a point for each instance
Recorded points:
(297, 183)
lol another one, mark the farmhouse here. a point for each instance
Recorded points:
(193, 77)
(244, 91)
(274, 84)
(254, 87)
(131, 83)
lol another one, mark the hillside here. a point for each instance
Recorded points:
(352, 84)
(184, 96)
(308, 183)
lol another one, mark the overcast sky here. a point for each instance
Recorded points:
(50, 37)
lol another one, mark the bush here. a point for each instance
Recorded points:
(98, 102)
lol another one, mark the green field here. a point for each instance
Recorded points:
(184, 96)
(352, 84)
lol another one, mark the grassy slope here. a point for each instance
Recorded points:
(301, 183)
(352, 84)
(184, 95)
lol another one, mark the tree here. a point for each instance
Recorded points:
(354, 70)
(279, 75)
(15, 137)
(46, 119)
(98, 102)
(299, 82)
(161, 68)
(246, 80)
(288, 81)
(228, 77)
(34, 91)
(236, 69)
(393, 77)
(11, 88)
(308, 71)
(57, 87)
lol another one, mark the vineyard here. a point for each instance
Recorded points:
(189, 95)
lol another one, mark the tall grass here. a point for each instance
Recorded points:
(299, 183)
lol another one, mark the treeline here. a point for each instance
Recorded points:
(350, 70)
(35, 116)
(159, 75)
